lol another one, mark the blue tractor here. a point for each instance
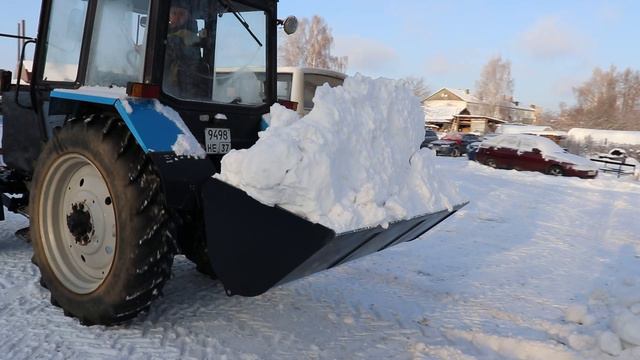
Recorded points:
(111, 147)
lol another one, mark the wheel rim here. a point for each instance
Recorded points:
(78, 223)
(491, 163)
(556, 171)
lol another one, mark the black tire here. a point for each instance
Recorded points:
(456, 152)
(555, 170)
(491, 162)
(144, 229)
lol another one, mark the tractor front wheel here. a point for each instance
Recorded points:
(102, 235)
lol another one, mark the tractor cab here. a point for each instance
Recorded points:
(213, 61)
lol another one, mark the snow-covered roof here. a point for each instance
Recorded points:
(464, 95)
(605, 137)
(439, 111)
(467, 96)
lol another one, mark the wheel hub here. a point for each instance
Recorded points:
(79, 224)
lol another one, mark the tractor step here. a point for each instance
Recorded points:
(11, 183)
(254, 247)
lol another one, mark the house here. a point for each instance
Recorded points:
(460, 110)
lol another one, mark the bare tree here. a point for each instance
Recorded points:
(311, 46)
(608, 100)
(417, 85)
(293, 51)
(629, 101)
(495, 86)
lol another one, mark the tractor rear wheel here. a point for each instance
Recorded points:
(102, 234)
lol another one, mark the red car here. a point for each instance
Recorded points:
(533, 153)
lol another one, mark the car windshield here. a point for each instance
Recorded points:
(216, 52)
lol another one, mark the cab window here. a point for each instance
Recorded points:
(64, 40)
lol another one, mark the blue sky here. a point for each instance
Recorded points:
(553, 45)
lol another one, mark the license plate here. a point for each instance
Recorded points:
(217, 140)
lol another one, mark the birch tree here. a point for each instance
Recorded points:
(608, 100)
(311, 46)
(495, 86)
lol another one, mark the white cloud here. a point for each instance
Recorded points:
(442, 65)
(548, 38)
(366, 55)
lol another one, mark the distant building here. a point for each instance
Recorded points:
(460, 110)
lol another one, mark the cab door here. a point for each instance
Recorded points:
(56, 64)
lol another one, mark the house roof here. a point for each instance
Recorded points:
(439, 111)
(462, 94)
(459, 93)
(468, 97)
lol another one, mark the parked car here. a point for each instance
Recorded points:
(429, 137)
(533, 153)
(453, 144)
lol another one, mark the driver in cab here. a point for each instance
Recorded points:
(185, 74)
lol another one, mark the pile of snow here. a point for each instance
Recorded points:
(604, 137)
(613, 320)
(354, 161)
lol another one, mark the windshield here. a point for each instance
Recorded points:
(216, 52)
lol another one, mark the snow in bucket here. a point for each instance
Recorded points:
(354, 161)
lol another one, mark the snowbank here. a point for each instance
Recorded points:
(354, 161)
(604, 137)
(614, 320)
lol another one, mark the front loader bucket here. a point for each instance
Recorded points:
(254, 247)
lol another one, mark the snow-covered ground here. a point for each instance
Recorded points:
(535, 267)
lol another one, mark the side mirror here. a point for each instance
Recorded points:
(536, 150)
(290, 25)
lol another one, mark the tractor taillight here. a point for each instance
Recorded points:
(291, 105)
(141, 90)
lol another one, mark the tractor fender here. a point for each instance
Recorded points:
(156, 128)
